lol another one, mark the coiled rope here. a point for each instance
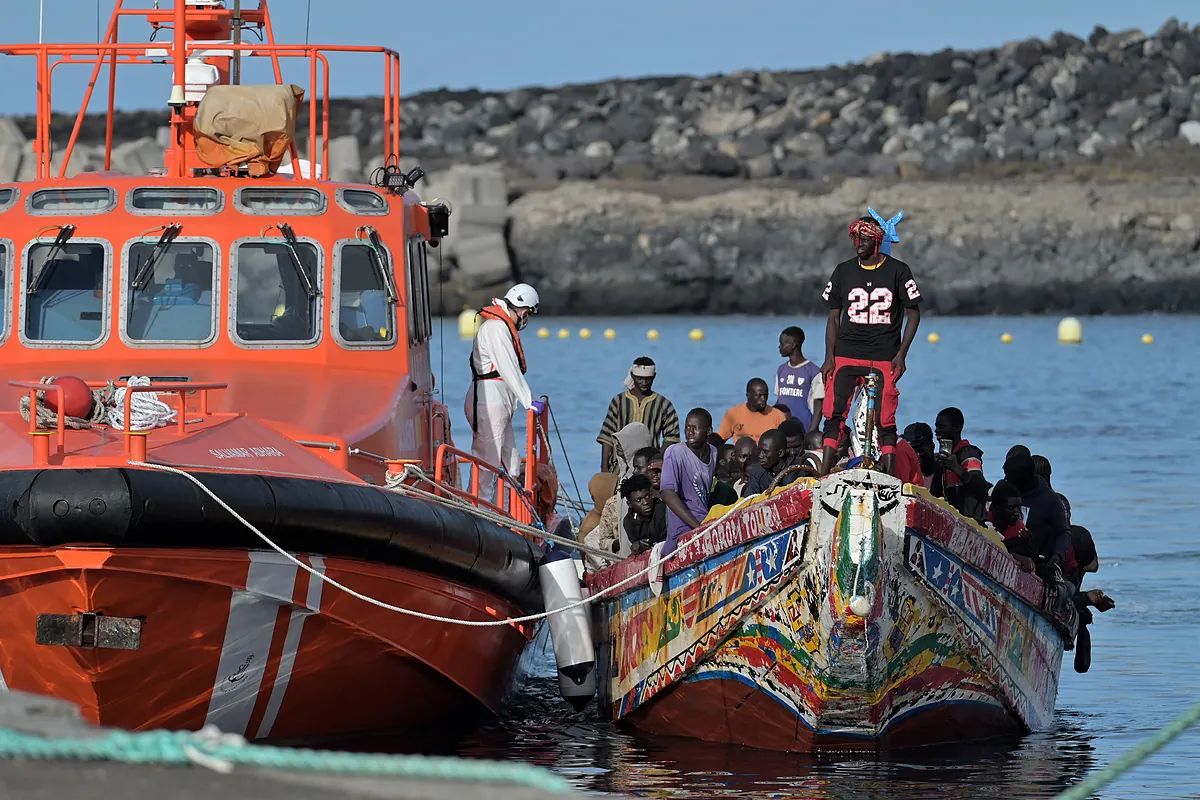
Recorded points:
(220, 752)
(1134, 757)
(146, 411)
(655, 563)
(47, 419)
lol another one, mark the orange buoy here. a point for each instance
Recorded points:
(77, 397)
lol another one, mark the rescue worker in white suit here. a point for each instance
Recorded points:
(498, 384)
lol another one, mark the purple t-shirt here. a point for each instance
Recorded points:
(798, 388)
(691, 479)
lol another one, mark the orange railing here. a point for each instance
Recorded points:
(512, 499)
(114, 53)
(135, 441)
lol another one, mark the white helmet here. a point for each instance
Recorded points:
(523, 296)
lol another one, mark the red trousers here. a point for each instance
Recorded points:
(848, 374)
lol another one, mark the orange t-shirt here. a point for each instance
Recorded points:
(740, 421)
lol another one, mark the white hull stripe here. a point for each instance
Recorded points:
(270, 582)
(291, 643)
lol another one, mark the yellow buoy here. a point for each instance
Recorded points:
(543, 333)
(609, 333)
(933, 338)
(695, 334)
(468, 323)
(1006, 338)
(1070, 331)
(1147, 339)
(585, 333)
(563, 333)
(652, 334)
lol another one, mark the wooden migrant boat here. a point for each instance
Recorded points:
(287, 318)
(849, 612)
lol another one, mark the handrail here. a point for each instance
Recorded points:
(123, 53)
(516, 500)
(519, 496)
(34, 387)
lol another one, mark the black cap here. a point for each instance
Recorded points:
(1020, 472)
(918, 433)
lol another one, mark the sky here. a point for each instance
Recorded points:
(493, 44)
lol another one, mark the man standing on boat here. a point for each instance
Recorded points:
(638, 403)
(869, 297)
(498, 380)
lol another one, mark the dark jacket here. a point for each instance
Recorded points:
(1046, 520)
(645, 533)
(721, 494)
(970, 494)
(761, 480)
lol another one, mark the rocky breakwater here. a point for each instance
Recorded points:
(904, 115)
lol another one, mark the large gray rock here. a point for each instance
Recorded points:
(983, 248)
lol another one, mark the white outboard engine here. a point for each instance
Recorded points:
(570, 631)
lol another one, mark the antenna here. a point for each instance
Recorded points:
(41, 16)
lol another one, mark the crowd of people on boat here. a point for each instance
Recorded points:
(658, 481)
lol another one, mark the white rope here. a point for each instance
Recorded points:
(408, 611)
(146, 411)
(396, 484)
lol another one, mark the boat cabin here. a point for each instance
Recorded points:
(235, 263)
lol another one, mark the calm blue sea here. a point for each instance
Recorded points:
(1114, 416)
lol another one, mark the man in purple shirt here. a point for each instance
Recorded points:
(688, 470)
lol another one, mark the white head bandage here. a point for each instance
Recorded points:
(639, 371)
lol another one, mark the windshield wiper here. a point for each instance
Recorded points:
(146, 270)
(64, 235)
(289, 238)
(376, 248)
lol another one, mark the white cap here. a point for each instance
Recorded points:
(523, 296)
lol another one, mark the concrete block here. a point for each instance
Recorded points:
(10, 133)
(493, 217)
(483, 260)
(10, 162)
(137, 157)
(345, 159)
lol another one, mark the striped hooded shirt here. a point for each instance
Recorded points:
(655, 412)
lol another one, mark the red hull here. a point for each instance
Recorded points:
(253, 644)
(731, 712)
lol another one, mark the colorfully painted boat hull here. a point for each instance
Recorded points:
(251, 643)
(752, 640)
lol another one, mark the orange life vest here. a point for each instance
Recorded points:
(498, 313)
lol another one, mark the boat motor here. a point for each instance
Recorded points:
(570, 631)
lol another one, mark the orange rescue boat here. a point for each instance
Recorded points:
(261, 417)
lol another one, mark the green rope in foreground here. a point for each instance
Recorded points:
(182, 747)
(1134, 757)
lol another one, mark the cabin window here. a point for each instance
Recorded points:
(420, 323)
(362, 201)
(60, 202)
(175, 200)
(363, 315)
(8, 197)
(279, 200)
(169, 292)
(65, 290)
(6, 252)
(273, 287)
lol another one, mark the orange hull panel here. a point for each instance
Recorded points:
(249, 642)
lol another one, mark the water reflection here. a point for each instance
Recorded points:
(598, 757)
